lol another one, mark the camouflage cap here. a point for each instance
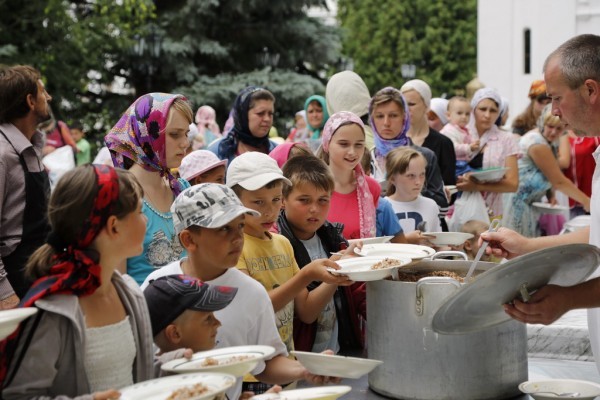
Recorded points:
(208, 205)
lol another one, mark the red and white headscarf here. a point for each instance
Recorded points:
(75, 270)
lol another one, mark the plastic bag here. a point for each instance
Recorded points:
(58, 162)
(470, 206)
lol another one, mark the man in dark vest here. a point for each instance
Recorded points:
(24, 187)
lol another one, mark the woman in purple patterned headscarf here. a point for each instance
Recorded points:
(149, 140)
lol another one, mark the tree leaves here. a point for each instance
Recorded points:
(437, 36)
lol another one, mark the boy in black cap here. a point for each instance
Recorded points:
(181, 311)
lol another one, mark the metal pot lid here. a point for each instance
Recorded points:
(479, 304)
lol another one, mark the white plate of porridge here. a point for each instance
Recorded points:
(372, 268)
(198, 386)
(236, 360)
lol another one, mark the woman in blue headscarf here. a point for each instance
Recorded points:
(252, 119)
(316, 116)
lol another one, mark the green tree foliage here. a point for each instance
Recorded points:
(211, 49)
(214, 48)
(437, 36)
(78, 46)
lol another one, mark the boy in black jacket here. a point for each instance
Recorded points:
(303, 221)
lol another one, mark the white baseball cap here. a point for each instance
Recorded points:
(253, 170)
(209, 205)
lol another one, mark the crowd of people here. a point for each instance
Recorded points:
(195, 237)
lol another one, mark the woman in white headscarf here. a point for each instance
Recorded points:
(497, 149)
(418, 96)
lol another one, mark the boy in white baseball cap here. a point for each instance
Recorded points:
(209, 219)
(269, 257)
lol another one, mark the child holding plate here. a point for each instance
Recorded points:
(92, 332)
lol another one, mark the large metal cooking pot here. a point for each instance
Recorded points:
(422, 364)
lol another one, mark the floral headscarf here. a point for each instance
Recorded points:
(139, 136)
(366, 203)
(241, 130)
(384, 146)
(316, 131)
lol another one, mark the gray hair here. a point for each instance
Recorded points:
(579, 59)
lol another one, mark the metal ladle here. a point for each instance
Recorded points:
(494, 225)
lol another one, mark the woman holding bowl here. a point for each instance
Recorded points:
(539, 172)
(497, 149)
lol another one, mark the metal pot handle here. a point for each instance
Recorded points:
(449, 253)
(431, 280)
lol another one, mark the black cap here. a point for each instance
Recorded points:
(169, 296)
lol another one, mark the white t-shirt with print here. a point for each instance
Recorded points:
(412, 213)
(248, 320)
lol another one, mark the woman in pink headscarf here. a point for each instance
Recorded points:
(208, 129)
(287, 150)
(355, 196)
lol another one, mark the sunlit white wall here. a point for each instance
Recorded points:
(501, 29)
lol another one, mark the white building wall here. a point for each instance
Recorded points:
(500, 40)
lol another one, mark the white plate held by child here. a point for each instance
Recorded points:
(365, 269)
(338, 366)
(448, 238)
(313, 393)
(236, 360)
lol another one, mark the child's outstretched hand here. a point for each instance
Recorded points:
(317, 271)
(107, 395)
(320, 379)
(417, 237)
(249, 395)
(475, 145)
(348, 253)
